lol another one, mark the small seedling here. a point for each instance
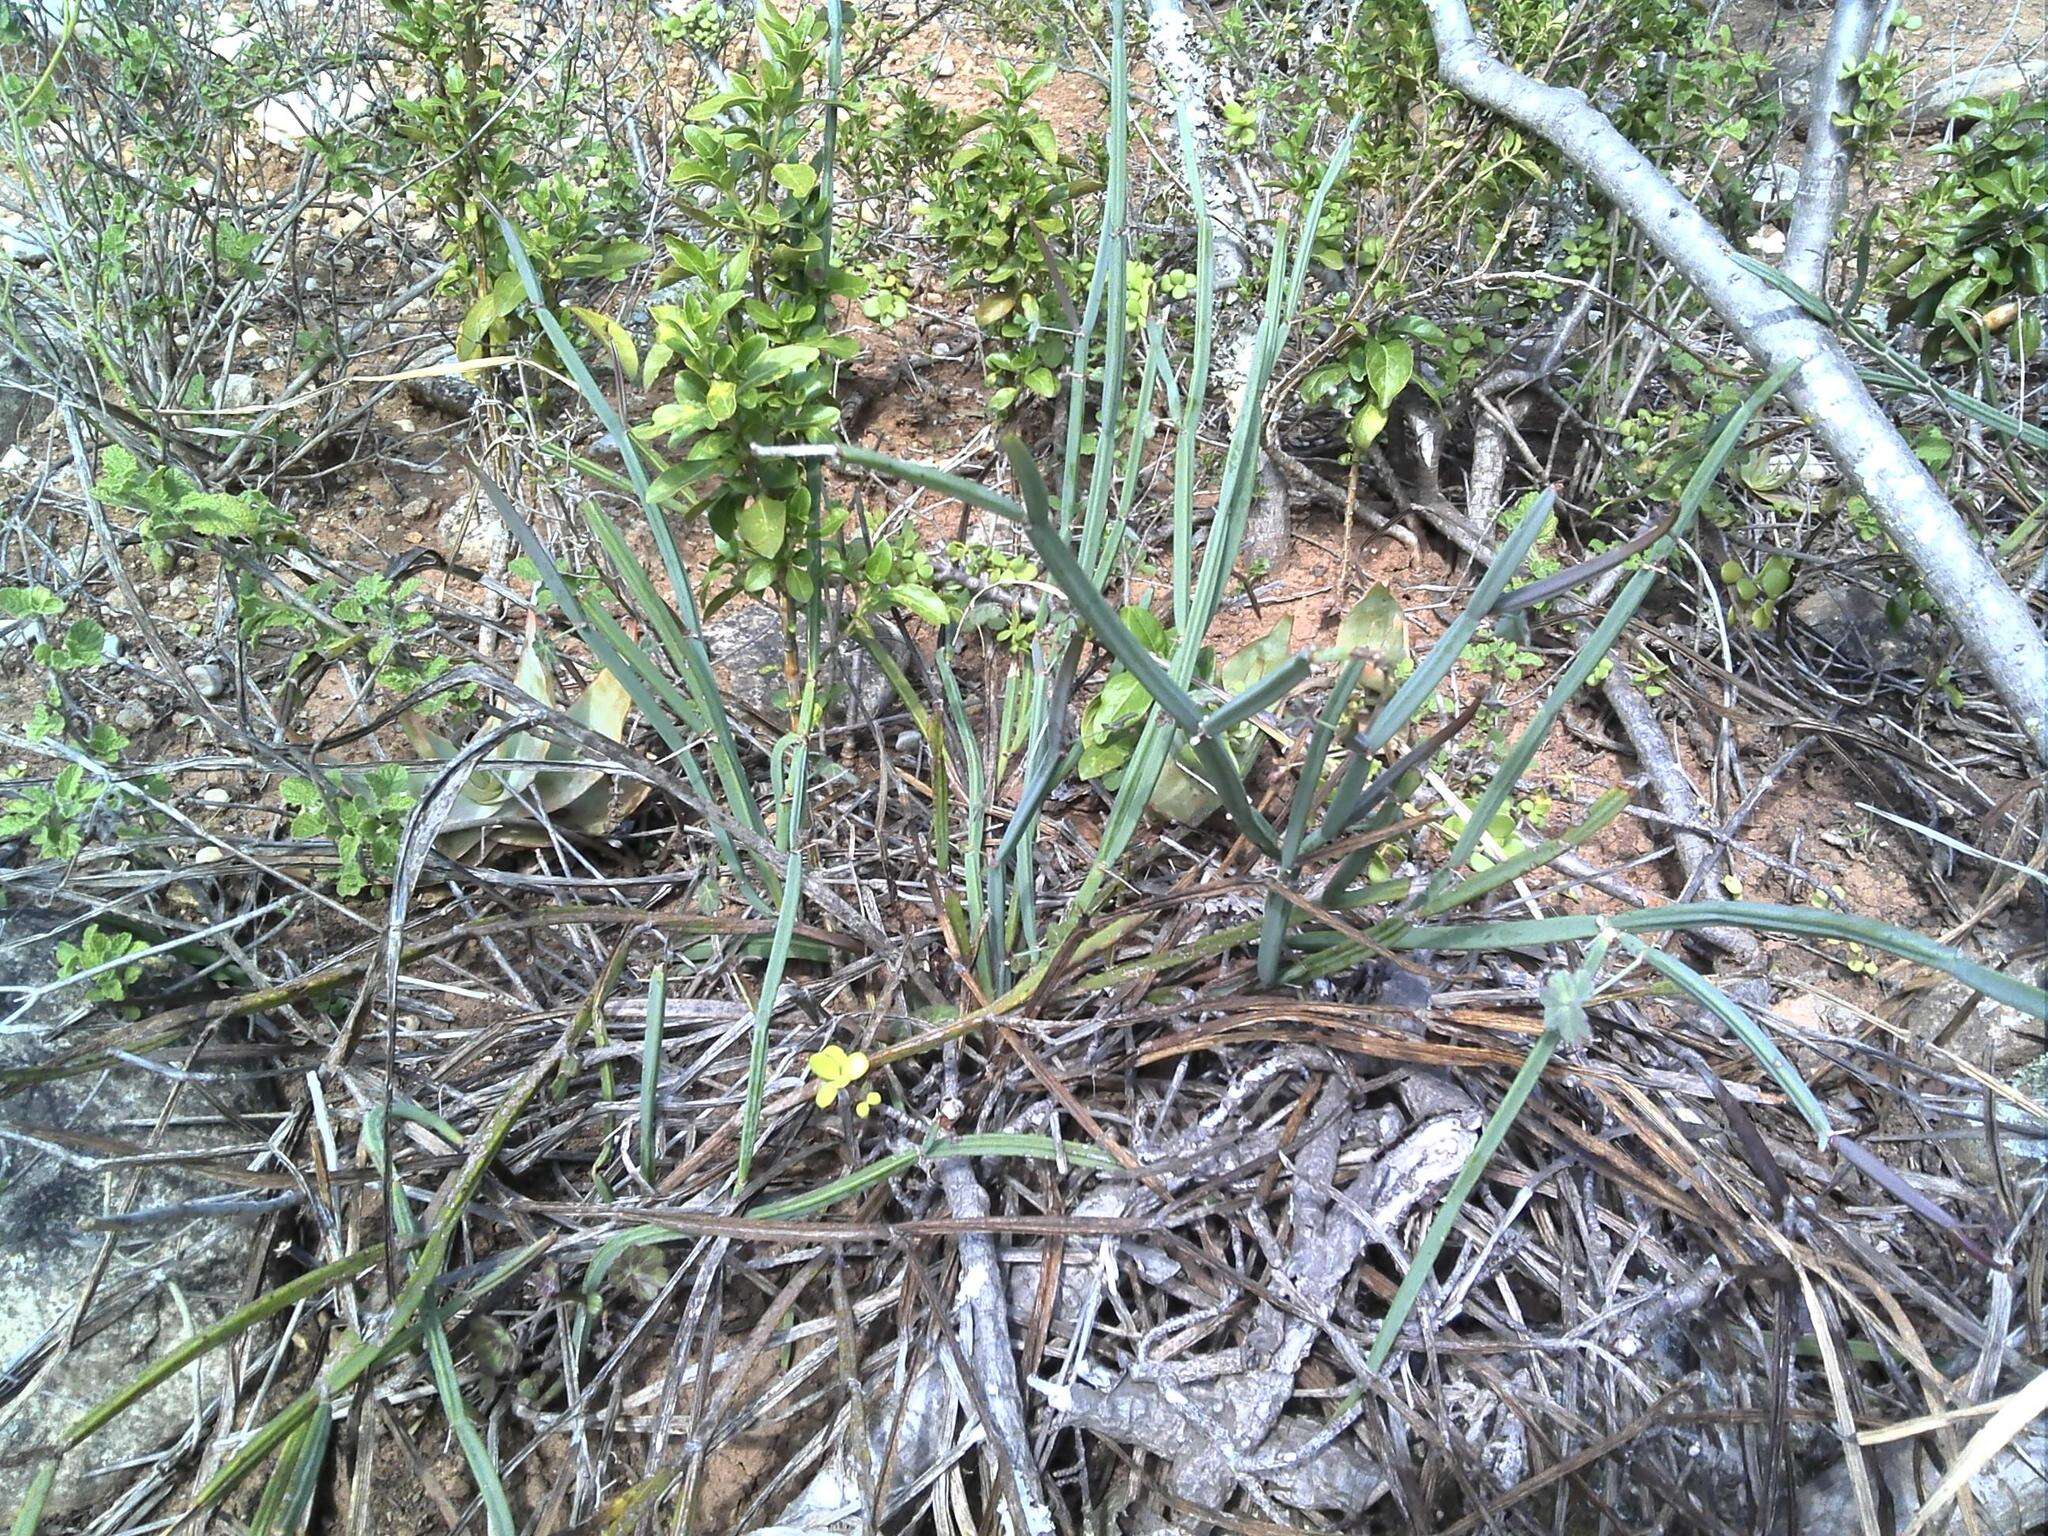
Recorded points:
(97, 947)
(362, 814)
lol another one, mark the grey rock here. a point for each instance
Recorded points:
(22, 237)
(450, 394)
(238, 391)
(21, 409)
(2008, 1494)
(1775, 185)
(747, 648)
(1846, 628)
(207, 679)
(1993, 1035)
(133, 718)
(48, 1195)
(329, 101)
(473, 535)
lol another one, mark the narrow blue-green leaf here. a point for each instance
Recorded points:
(1743, 1027)
(650, 1066)
(1274, 686)
(307, 1467)
(1307, 789)
(1763, 917)
(1409, 699)
(764, 1011)
(1187, 437)
(697, 674)
(1598, 816)
(1110, 252)
(1424, 1262)
(30, 1515)
(483, 1467)
(938, 481)
(1620, 610)
(1109, 628)
(1220, 768)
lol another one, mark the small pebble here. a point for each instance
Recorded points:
(207, 679)
(133, 718)
(215, 794)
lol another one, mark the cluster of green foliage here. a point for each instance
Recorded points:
(749, 340)
(1001, 200)
(362, 814)
(96, 947)
(81, 645)
(1757, 597)
(897, 138)
(1003, 214)
(478, 143)
(175, 509)
(1979, 236)
(706, 25)
(1671, 77)
(1368, 374)
(53, 817)
(375, 621)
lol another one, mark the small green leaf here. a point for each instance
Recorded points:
(1389, 365)
(29, 603)
(1041, 135)
(1249, 663)
(1366, 426)
(762, 523)
(1376, 626)
(217, 514)
(923, 602)
(796, 178)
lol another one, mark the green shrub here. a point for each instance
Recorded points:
(748, 344)
(1979, 237)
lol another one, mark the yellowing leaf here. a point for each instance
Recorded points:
(795, 178)
(761, 524)
(1367, 426)
(1375, 625)
(613, 335)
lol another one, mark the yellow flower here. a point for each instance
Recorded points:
(836, 1071)
(867, 1104)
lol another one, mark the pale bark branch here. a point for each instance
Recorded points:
(1994, 624)
(2027, 77)
(1824, 172)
